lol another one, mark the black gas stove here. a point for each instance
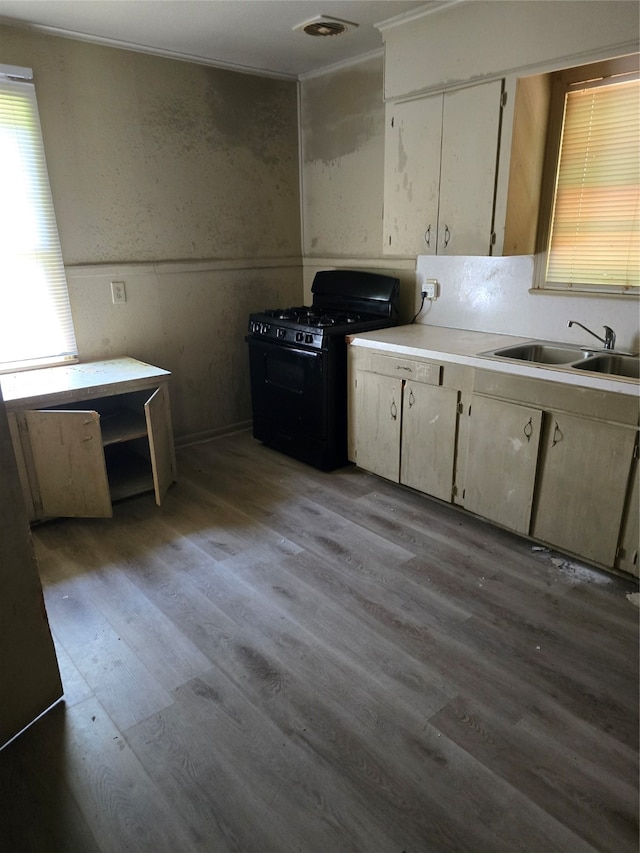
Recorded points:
(298, 361)
(344, 302)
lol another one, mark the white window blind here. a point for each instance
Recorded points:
(596, 220)
(36, 327)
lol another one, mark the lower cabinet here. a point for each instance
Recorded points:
(429, 417)
(86, 458)
(404, 429)
(546, 460)
(501, 467)
(94, 445)
(378, 424)
(582, 485)
(553, 462)
(628, 556)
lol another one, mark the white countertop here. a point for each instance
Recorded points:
(71, 381)
(460, 346)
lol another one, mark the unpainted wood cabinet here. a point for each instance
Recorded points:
(98, 442)
(441, 160)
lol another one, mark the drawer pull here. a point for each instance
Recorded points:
(427, 236)
(403, 367)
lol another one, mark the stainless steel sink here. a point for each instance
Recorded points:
(540, 352)
(566, 355)
(613, 364)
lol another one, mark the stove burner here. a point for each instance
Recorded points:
(281, 313)
(310, 316)
(335, 319)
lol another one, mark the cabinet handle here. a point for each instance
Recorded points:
(557, 434)
(394, 410)
(528, 430)
(427, 236)
(412, 399)
(447, 236)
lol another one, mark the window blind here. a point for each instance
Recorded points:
(36, 326)
(595, 232)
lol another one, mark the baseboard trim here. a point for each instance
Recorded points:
(210, 434)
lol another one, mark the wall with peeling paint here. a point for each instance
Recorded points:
(342, 174)
(152, 159)
(182, 181)
(342, 148)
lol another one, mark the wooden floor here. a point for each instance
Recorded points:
(280, 660)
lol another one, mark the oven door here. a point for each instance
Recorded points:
(288, 397)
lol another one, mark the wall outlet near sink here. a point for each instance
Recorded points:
(431, 288)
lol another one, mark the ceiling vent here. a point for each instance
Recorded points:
(323, 25)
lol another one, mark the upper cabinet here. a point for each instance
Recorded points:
(441, 160)
(462, 176)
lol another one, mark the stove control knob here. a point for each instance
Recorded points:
(299, 337)
(281, 333)
(308, 339)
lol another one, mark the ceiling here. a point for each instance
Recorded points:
(251, 35)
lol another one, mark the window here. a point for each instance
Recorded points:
(36, 327)
(592, 233)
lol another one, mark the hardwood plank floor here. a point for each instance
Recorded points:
(281, 660)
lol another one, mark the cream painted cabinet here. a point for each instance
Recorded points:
(106, 435)
(628, 557)
(579, 476)
(378, 405)
(429, 417)
(441, 157)
(501, 469)
(582, 485)
(404, 429)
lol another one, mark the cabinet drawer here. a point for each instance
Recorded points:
(404, 368)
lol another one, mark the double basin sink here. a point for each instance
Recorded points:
(564, 355)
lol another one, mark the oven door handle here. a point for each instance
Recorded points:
(282, 348)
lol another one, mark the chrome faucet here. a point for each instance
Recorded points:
(609, 339)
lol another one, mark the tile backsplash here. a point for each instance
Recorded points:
(491, 294)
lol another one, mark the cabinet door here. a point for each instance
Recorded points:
(412, 176)
(160, 434)
(501, 469)
(629, 554)
(429, 415)
(69, 463)
(378, 414)
(470, 134)
(582, 486)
